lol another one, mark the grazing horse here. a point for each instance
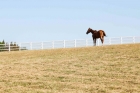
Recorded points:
(97, 34)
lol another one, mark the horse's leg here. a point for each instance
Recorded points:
(102, 40)
(95, 42)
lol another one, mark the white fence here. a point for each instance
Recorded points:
(71, 43)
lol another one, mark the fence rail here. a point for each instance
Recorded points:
(69, 43)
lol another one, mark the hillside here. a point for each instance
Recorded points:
(107, 69)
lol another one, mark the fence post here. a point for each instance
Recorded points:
(121, 40)
(86, 42)
(19, 46)
(42, 43)
(64, 43)
(53, 44)
(75, 42)
(9, 48)
(133, 39)
(109, 41)
(31, 45)
(97, 42)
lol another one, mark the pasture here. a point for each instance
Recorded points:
(107, 69)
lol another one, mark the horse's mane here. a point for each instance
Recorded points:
(93, 30)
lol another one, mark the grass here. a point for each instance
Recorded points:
(107, 69)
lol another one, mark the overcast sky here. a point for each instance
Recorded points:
(48, 20)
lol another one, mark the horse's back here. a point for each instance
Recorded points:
(101, 30)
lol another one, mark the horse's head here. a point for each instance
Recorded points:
(88, 31)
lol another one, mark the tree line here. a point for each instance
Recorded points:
(13, 46)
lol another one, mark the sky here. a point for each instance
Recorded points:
(52, 20)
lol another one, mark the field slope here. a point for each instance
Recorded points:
(107, 69)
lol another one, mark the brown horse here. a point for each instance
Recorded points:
(97, 34)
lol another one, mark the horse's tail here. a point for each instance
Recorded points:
(104, 33)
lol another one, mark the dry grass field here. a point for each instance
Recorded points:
(107, 69)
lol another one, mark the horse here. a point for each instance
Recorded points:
(96, 34)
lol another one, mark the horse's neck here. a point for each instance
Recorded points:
(93, 31)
